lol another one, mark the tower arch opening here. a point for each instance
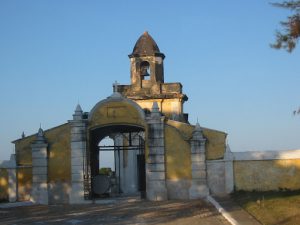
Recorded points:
(145, 70)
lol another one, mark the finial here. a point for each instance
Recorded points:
(40, 132)
(23, 134)
(78, 109)
(115, 86)
(155, 107)
(155, 113)
(197, 127)
(78, 113)
(146, 32)
(198, 132)
(40, 135)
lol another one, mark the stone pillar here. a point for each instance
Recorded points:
(12, 179)
(199, 188)
(78, 152)
(39, 192)
(229, 179)
(155, 166)
(12, 185)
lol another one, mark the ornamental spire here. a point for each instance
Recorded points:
(78, 113)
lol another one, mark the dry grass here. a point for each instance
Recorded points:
(271, 208)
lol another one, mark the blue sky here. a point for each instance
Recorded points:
(54, 54)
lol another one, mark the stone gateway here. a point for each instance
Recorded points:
(157, 152)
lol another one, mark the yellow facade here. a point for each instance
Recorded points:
(265, 175)
(178, 157)
(59, 159)
(23, 150)
(177, 147)
(168, 107)
(24, 176)
(3, 185)
(59, 154)
(118, 112)
(215, 140)
(115, 112)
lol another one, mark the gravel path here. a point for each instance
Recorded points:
(115, 213)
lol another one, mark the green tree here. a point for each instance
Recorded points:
(287, 38)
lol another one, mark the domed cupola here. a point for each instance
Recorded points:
(146, 63)
(146, 46)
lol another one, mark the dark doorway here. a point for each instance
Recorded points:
(141, 174)
(128, 173)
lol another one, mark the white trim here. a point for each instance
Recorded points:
(221, 210)
(266, 155)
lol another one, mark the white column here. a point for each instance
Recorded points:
(199, 188)
(39, 192)
(78, 151)
(155, 166)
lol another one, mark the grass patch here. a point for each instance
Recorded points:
(271, 208)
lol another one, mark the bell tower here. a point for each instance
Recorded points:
(148, 84)
(146, 64)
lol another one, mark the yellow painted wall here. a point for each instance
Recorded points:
(23, 150)
(3, 185)
(59, 163)
(115, 112)
(267, 175)
(59, 153)
(24, 176)
(166, 106)
(215, 143)
(178, 158)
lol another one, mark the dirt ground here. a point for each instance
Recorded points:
(115, 213)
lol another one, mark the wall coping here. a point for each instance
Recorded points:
(266, 155)
(8, 164)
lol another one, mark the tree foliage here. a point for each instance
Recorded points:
(289, 36)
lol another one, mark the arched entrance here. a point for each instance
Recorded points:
(124, 122)
(127, 177)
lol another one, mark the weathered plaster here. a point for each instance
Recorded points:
(3, 184)
(216, 140)
(115, 112)
(265, 175)
(178, 159)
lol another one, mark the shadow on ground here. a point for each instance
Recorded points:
(138, 212)
(271, 207)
